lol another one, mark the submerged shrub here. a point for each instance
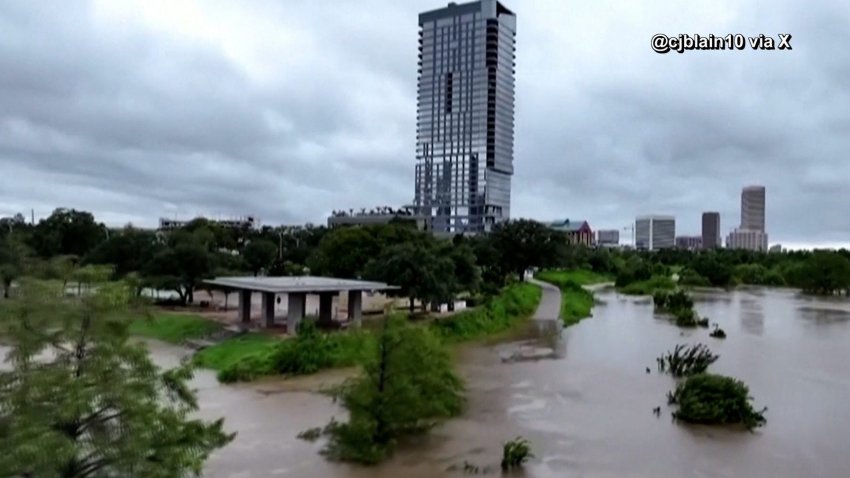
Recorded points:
(718, 333)
(686, 360)
(715, 400)
(515, 453)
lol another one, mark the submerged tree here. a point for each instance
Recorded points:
(80, 400)
(515, 453)
(407, 386)
(686, 360)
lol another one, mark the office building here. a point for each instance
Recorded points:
(238, 223)
(378, 215)
(747, 239)
(689, 242)
(655, 232)
(577, 232)
(752, 208)
(465, 116)
(752, 234)
(607, 237)
(711, 230)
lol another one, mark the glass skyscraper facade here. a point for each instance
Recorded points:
(465, 116)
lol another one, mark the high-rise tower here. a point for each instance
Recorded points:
(752, 208)
(751, 235)
(465, 116)
(711, 230)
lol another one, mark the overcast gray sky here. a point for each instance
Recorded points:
(288, 109)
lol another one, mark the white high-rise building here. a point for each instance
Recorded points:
(752, 208)
(655, 232)
(752, 234)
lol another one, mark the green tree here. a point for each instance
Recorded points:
(12, 261)
(182, 264)
(67, 231)
(826, 273)
(407, 386)
(521, 244)
(416, 269)
(344, 252)
(128, 251)
(259, 254)
(81, 400)
(717, 273)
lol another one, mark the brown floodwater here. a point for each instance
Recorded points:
(586, 402)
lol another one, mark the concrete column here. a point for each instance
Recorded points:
(326, 301)
(268, 308)
(245, 306)
(355, 307)
(295, 311)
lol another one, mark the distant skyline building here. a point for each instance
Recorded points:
(689, 242)
(753, 208)
(752, 234)
(465, 116)
(241, 222)
(577, 232)
(711, 230)
(747, 239)
(607, 237)
(655, 232)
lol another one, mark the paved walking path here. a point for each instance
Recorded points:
(550, 301)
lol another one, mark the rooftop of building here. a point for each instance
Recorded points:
(569, 225)
(657, 216)
(303, 284)
(453, 9)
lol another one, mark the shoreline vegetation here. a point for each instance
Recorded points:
(257, 354)
(576, 301)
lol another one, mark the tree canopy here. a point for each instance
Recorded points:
(82, 401)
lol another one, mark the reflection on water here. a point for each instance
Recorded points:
(823, 315)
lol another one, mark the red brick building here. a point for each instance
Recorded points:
(576, 232)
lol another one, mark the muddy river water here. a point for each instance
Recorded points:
(587, 406)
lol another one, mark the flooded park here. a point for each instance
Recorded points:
(586, 401)
(587, 407)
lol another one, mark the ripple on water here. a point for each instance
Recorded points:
(824, 315)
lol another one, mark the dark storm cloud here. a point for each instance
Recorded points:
(290, 109)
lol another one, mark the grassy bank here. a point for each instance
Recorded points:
(649, 286)
(173, 328)
(576, 301)
(254, 355)
(577, 276)
(515, 304)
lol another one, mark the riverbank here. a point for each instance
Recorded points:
(576, 300)
(258, 354)
(649, 286)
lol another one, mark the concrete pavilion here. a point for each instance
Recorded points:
(297, 289)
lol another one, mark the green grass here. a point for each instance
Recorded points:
(576, 301)
(516, 303)
(229, 352)
(254, 355)
(173, 328)
(576, 304)
(578, 276)
(648, 287)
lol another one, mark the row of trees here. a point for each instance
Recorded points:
(426, 268)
